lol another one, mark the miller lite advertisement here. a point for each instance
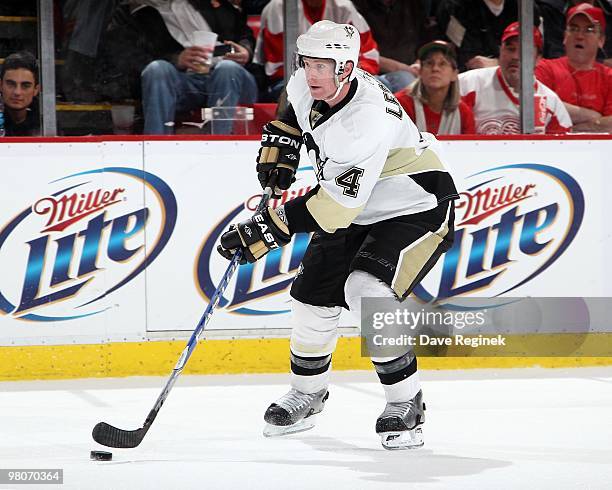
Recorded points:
(117, 241)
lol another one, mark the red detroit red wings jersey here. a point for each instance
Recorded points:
(496, 106)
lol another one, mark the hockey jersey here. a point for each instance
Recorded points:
(496, 106)
(371, 161)
(269, 50)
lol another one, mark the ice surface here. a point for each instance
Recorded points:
(485, 429)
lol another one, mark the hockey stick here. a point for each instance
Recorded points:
(110, 436)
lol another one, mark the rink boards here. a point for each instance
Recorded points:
(107, 250)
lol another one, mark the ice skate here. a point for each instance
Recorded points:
(400, 424)
(294, 412)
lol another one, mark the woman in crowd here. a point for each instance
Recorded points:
(433, 100)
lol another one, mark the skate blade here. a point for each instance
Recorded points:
(284, 430)
(406, 439)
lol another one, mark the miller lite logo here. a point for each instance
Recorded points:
(511, 224)
(82, 240)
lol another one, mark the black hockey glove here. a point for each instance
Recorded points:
(256, 236)
(280, 152)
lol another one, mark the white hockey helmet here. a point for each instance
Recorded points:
(328, 40)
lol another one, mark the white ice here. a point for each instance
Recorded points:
(485, 429)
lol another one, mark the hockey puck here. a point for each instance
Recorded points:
(100, 456)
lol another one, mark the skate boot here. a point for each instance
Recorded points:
(400, 424)
(293, 412)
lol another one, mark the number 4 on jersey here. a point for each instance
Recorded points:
(349, 181)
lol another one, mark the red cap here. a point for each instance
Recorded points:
(513, 30)
(594, 14)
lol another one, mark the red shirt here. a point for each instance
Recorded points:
(585, 88)
(433, 118)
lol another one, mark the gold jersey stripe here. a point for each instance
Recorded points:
(406, 161)
(329, 214)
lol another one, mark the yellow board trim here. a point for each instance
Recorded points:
(17, 18)
(157, 358)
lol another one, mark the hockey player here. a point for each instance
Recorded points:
(382, 214)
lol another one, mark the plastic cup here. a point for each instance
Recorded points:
(123, 118)
(205, 39)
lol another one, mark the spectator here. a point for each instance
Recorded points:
(19, 87)
(493, 92)
(399, 28)
(584, 85)
(171, 84)
(475, 27)
(269, 50)
(606, 7)
(433, 101)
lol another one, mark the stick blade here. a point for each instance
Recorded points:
(110, 436)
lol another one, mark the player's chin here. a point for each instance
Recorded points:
(317, 92)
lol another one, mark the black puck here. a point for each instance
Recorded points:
(100, 456)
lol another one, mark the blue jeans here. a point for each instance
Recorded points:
(397, 80)
(166, 90)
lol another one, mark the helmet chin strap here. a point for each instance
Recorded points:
(339, 84)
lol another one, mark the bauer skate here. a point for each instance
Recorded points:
(400, 424)
(294, 412)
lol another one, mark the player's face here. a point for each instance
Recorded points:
(320, 77)
(437, 71)
(582, 39)
(18, 88)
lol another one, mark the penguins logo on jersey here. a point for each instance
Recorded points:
(314, 154)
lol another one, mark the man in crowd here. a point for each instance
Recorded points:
(433, 101)
(270, 50)
(605, 55)
(583, 84)
(493, 92)
(172, 83)
(19, 86)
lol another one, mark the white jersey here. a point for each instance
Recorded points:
(372, 163)
(496, 105)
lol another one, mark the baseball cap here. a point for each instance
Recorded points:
(445, 48)
(594, 14)
(514, 29)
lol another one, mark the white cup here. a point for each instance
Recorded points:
(205, 39)
(123, 118)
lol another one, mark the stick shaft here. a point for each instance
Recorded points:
(214, 300)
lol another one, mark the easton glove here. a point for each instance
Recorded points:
(256, 236)
(280, 153)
